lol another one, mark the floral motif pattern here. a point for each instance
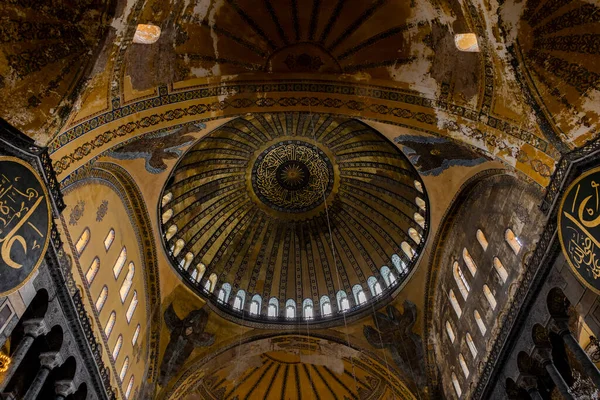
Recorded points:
(76, 213)
(102, 210)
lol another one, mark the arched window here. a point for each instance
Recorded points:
(124, 369)
(359, 295)
(469, 261)
(179, 244)
(171, 232)
(307, 309)
(480, 323)
(385, 274)
(414, 235)
(463, 365)
(374, 286)
(83, 240)
(290, 309)
(418, 186)
(240, 299)
(456, 385)
(166, 199)
(410, 253)
(342, 299)
(471, 345)
(198, 272)
(120, 262)
(92, 270)
(450, 331)
(186, 261)
(102, 298)
(132, 306)
(419, 220)
(211, 282)
(325, 306)
(482, 240)
(224, 292)
(126, 285)
(421, 203)
(399, 264)
(129, 387)
(273, 309)
(502, 273)
(167, 215)
(117, 347)
(454, 303)
(461, 280)
(110, 324)
(489, 296)
(136, 334)
(109, 239)
(512, 240)
(255, 304)
(466, 42)
(392, 278)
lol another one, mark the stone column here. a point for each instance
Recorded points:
(562, 328)
(529, 383)
(49, 361)
(64, 388)
(544, 357)
(33, 328)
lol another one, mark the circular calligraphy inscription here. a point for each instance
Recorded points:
(24, 223)
(579, 228)
(292, 176)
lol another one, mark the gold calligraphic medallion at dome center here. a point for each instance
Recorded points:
(24, 223)
(579, 228)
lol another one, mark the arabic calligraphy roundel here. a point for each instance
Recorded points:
(24, 223)
(579, 228)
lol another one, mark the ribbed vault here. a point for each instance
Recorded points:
(287, 208)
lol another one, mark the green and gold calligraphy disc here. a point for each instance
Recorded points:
(579, 228)
(25, 222)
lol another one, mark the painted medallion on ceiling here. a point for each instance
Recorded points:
(291, 216)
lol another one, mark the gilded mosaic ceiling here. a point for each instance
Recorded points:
(294, 207)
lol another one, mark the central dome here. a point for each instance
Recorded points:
(285, 217)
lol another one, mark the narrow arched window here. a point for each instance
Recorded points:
(110, 324)
(92, 270)
(120, 262)
(211, 282)
(456, 385)
(240, 299)
(419, 220)
(463, 365)
(167, 215)
(469, 262)
(450, 331)
(109, 239)
(461, 280)
(83, 240)
(482, 239)
(489, 296)
(414, 235)
(410, 253)
(129, 387)
(132, 306)
(198, 272)
(290, 309)
(325, 306)
(500, 270)
(102, 298)
(124, 369)
(136, 334)
(421, 203)
(374, 286)
(385, 274)
(171, 232)
(179, 244)
(307, 309)
(418, 186)
(512, 240)
(117, 348)
(480, 323)
(126, 285)
(273, 308)
(399, 264)
(454, 303)
(224, 292)
(359, 294)
(343, 303)
(466, 42)
(166, 199)
(392, 278)
(255, 304)
(471, 345)
(186, 261)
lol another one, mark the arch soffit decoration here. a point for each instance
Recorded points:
(187, 379)
(118, 179)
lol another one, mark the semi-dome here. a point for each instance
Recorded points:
(293, 217)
